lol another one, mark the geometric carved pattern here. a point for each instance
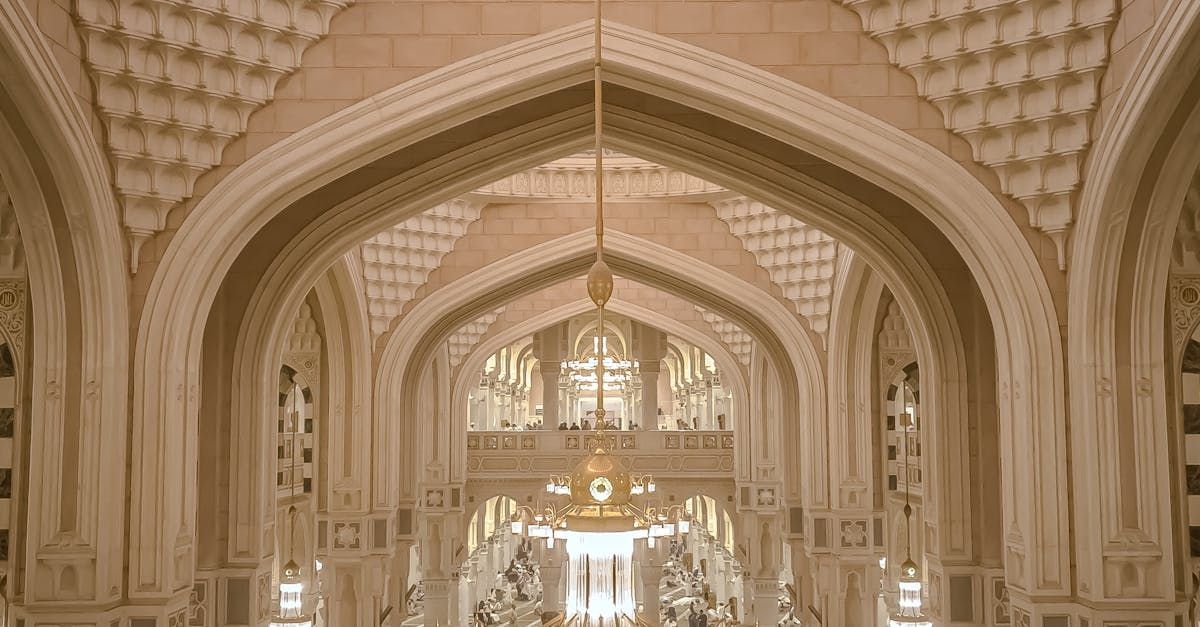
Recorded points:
(800, 259)
(895, 344)
(1018, 79)
(624, 177)
(465, 339)
(740, 343)
(176, 81)
(198, 605)
(12, 315)
(1184, 295)
(398, 261)
(303, 350)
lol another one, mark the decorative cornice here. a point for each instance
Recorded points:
(398, 261)
(177, 80)
(1018, 79)
(800, 259)
(740, 343)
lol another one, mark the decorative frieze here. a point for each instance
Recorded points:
(574, 178)
(801, 260)
(740, 343)
(396, 262)
(177, 80)
(1018, 79)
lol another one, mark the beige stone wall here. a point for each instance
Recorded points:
(1126, 44)
(375, 45)
(56, 24)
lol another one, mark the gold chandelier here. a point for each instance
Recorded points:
(600, 522)
(600, 487)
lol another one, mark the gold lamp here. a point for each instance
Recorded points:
(600, 523)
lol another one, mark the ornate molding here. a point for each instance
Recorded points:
(1184, 295)
(895, 344)
(466, 337)
(396, 262)
(740, 343)
(303, 350)
(177, 80)
(1018, 79)
(574, 178)
(801, 260)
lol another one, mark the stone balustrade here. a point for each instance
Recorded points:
(516, 454)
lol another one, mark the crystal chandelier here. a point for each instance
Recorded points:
(908, 613)
(600, 523)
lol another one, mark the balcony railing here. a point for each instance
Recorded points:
(496, 454)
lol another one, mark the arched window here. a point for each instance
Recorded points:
(1189, 393)
(294, 436)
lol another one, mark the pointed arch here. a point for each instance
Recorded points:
(51, 167)
(412, 344)
(736, 125)
(1144, 160)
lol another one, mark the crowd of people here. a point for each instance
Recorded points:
(520, 582)
(698, 606)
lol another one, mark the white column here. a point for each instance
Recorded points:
(550, 371)
(649, 374)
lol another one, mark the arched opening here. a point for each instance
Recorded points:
(875, 210)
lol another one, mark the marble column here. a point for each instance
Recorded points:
(550, 565)
(649, 374)
(550, 371)
(649, 573)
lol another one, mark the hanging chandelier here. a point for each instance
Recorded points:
(908, 612)
(291, 585)
(600, 523)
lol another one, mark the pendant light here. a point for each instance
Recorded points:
(908, 613)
